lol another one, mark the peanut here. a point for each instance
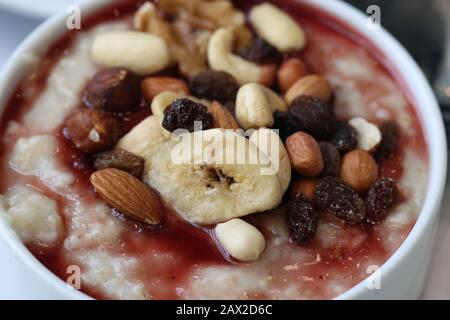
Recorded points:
(290, 71)
(311, 85)
(359, 170)
(304, 153)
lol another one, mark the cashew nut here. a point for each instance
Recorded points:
(241, 240)
(368, 134)
(277, 28)
(221, 57)
(140, 52)
(255, 105)
(160, 103)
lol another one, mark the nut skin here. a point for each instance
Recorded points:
(113, 89)
(310, 85)
(305, 155)
(222, 118)
(289, 72)
(359, 170)
(304, 186)
(152, 86)
(93, 130)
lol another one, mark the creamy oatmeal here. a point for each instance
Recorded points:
(280, 236)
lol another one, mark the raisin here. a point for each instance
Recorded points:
(381, 198)
(331, 159)
(114, 89)
(303, 219)
(183, 113)
(390, 134)
(122, 160)
(315, 116)
(259, 51)
(286, 124)
(344, 138)
(334, 196)
(214, 85)
(92, 130)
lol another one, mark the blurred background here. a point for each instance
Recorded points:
(422, 26)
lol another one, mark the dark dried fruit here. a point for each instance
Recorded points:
(334, 196)
(331, 159)
(114, 89)
(93, 130)
(344, 138)
(122, 160)
(286, 124)
(183, 113)
(381, 199)
(214, 85)
(303, 219)
(315, 116)
(390, 134)
(259, 51)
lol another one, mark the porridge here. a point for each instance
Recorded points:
(90, 177)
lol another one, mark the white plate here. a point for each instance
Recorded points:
(40, 9)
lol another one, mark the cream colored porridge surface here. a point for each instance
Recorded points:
(90, 234)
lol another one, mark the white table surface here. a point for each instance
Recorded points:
(13, 29)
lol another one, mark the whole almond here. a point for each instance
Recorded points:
(359, 170)
(289, 72)
(222, 118)
(304, 153)
(128, 195)
(311, 85)
(152, 86)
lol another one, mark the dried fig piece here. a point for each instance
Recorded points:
(381, 199)
(390, 136)
(331, 159)
(114, 89)
(214, 85)
(183, 113)
(260, 52)
(315, 116)
(122, 160)
(303, 219)
(334, 196)
(344, 138)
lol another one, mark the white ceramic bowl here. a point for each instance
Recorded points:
(402, 276)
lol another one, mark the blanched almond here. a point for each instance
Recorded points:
(128, 195)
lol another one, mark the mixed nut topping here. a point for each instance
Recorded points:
(231, 76)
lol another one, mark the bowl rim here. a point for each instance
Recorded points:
(413, 78)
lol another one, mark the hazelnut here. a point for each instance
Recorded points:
(304, 153)
(359, 170)
(152, 86)
(290, 71)
(311, 85)
(268, 75)
(304, 186)
(113, 89)
(92, 130)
